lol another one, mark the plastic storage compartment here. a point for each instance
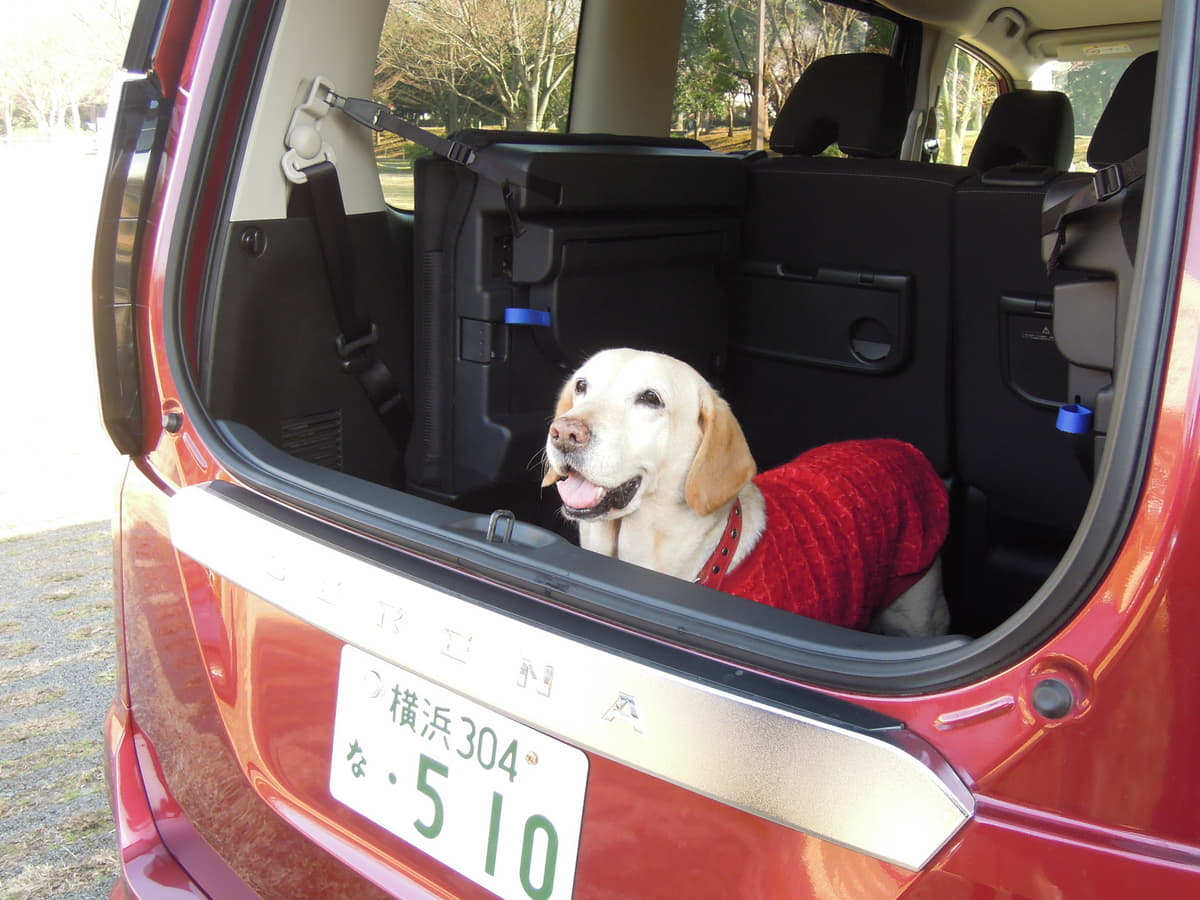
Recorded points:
(621, 244)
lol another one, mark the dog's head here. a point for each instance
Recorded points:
(632, 428)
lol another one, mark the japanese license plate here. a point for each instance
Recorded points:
(493, 799)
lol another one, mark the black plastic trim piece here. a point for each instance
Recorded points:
(137, 141)
(145, 34)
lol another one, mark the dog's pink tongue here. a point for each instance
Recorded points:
(579, 493)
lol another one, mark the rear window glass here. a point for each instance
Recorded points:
(1088, 83)
(451, 64)
(717, 89)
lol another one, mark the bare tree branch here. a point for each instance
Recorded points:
(505, 59)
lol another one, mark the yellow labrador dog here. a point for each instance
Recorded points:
(652, 464)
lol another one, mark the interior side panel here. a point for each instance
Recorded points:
(273, 364)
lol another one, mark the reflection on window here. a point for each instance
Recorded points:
(452, 64)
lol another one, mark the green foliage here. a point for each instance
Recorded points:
(707, 70)
(719, 51)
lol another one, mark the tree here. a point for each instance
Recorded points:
(412, 79)
(56, 56)
(506, 60)
(959, 87)
(968, 89)
(724, 59)
(707, 77)
(800, 32)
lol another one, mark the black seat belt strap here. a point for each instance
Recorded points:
(357, 335)
(378, 117)
(1105, 183)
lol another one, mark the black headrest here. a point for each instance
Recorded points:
(1027, 128)
(854, 100)
(1124, 126)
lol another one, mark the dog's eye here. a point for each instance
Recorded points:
(650, 399)
(580, 387)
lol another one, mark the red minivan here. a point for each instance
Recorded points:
(349, 253)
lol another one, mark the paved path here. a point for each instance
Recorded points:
(57, 475)
(57, 466)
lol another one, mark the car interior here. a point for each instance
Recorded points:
(844, 281)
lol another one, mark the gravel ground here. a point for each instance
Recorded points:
(56, 680)
(57, 475)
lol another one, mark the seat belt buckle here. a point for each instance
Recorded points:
(1108, 182)
(460, 153)
(356, 355)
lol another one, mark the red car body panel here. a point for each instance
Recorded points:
(1098, 803)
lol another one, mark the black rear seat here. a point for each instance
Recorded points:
(1026, 130)
(840, 322)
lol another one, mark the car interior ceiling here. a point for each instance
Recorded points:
(920, 332)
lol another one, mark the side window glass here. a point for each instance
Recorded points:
(969, 88)
(719, 91)
(452, 64)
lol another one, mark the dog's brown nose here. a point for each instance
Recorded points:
(569, 434)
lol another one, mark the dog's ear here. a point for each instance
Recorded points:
(723, 464)
(566, 399)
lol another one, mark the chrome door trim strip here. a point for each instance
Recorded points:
(887, 793)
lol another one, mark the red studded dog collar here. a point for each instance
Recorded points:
(713, 572)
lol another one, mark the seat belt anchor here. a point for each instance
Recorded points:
(306, 146)
(357, 355)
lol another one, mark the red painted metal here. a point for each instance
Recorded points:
(148, 869)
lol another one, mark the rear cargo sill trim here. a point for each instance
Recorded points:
(887, 794)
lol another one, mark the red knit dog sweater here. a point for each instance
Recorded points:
(850, 527)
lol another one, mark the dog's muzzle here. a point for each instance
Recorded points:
(583, 499)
